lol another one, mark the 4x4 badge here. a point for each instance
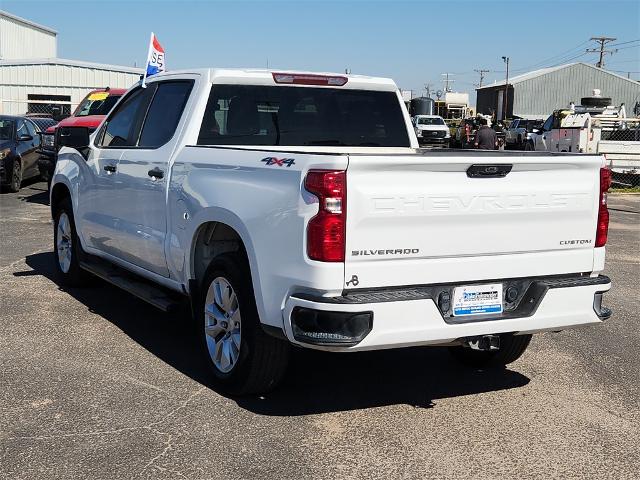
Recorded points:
(279, 162)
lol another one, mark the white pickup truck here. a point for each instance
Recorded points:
(296, 208)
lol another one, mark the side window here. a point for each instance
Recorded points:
(32, 130)
(547, 125)
(123, 126)
(22, 129)
(164, 113)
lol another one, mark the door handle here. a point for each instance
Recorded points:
(155, 173)
(110, 168)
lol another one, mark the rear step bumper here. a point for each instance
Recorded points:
(420, 315)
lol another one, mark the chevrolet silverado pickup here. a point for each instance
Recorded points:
(291, 208)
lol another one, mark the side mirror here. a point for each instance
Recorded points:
(74, 137)
(25, 138)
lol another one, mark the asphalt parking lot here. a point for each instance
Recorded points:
(96, 384)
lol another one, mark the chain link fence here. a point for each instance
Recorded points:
(625, 157)
(625, 179)
(56, 109)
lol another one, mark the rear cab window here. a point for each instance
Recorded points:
(302, 116)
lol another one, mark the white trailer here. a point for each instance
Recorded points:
(604, 130)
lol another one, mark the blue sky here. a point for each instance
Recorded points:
(412, 42)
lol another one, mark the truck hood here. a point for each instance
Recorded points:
(91, 121)
(438, 128)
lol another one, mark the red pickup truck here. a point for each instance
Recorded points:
(90, 113)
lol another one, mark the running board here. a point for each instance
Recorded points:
(159, 297)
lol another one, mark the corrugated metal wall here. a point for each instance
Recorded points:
(18, 81)
(541, 95)
(18, 41)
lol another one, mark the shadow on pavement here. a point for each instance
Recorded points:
(35, 192)
(31, 191)
(317, 382)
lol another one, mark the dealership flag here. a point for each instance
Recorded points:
(155, 59)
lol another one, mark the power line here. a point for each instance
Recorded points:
(447, 81)
(602, 41)
(624, 43)
(630, 46)
(569, 59)
(625, 61)
(571, 51)
(481, 71)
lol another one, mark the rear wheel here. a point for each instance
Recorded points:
(511, 348)
(16, 177)
(241, 356)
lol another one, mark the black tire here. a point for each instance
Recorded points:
(511, 348)
(529, 146)
(262, 359)
(74, 276)
(16, 177)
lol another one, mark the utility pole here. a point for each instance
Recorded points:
(506, 89)
(447, 81)
(602, 41)
(481, 71)
(427, 87)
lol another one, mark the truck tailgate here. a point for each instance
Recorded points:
(420, 219)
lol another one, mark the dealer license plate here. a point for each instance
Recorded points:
(477, 299)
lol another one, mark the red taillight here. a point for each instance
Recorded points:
(308, 79)
(603, 212)
(326, 231)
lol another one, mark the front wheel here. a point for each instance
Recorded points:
(241, 356)
(511, 348)
(67, 247)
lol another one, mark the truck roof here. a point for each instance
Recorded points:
(112, 91)
(265, 77)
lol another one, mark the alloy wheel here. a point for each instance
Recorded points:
(64, 246)
(222, 324)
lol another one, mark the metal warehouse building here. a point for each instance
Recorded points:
(34, 80)
(537, 94)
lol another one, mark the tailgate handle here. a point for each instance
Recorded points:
(488, 171)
